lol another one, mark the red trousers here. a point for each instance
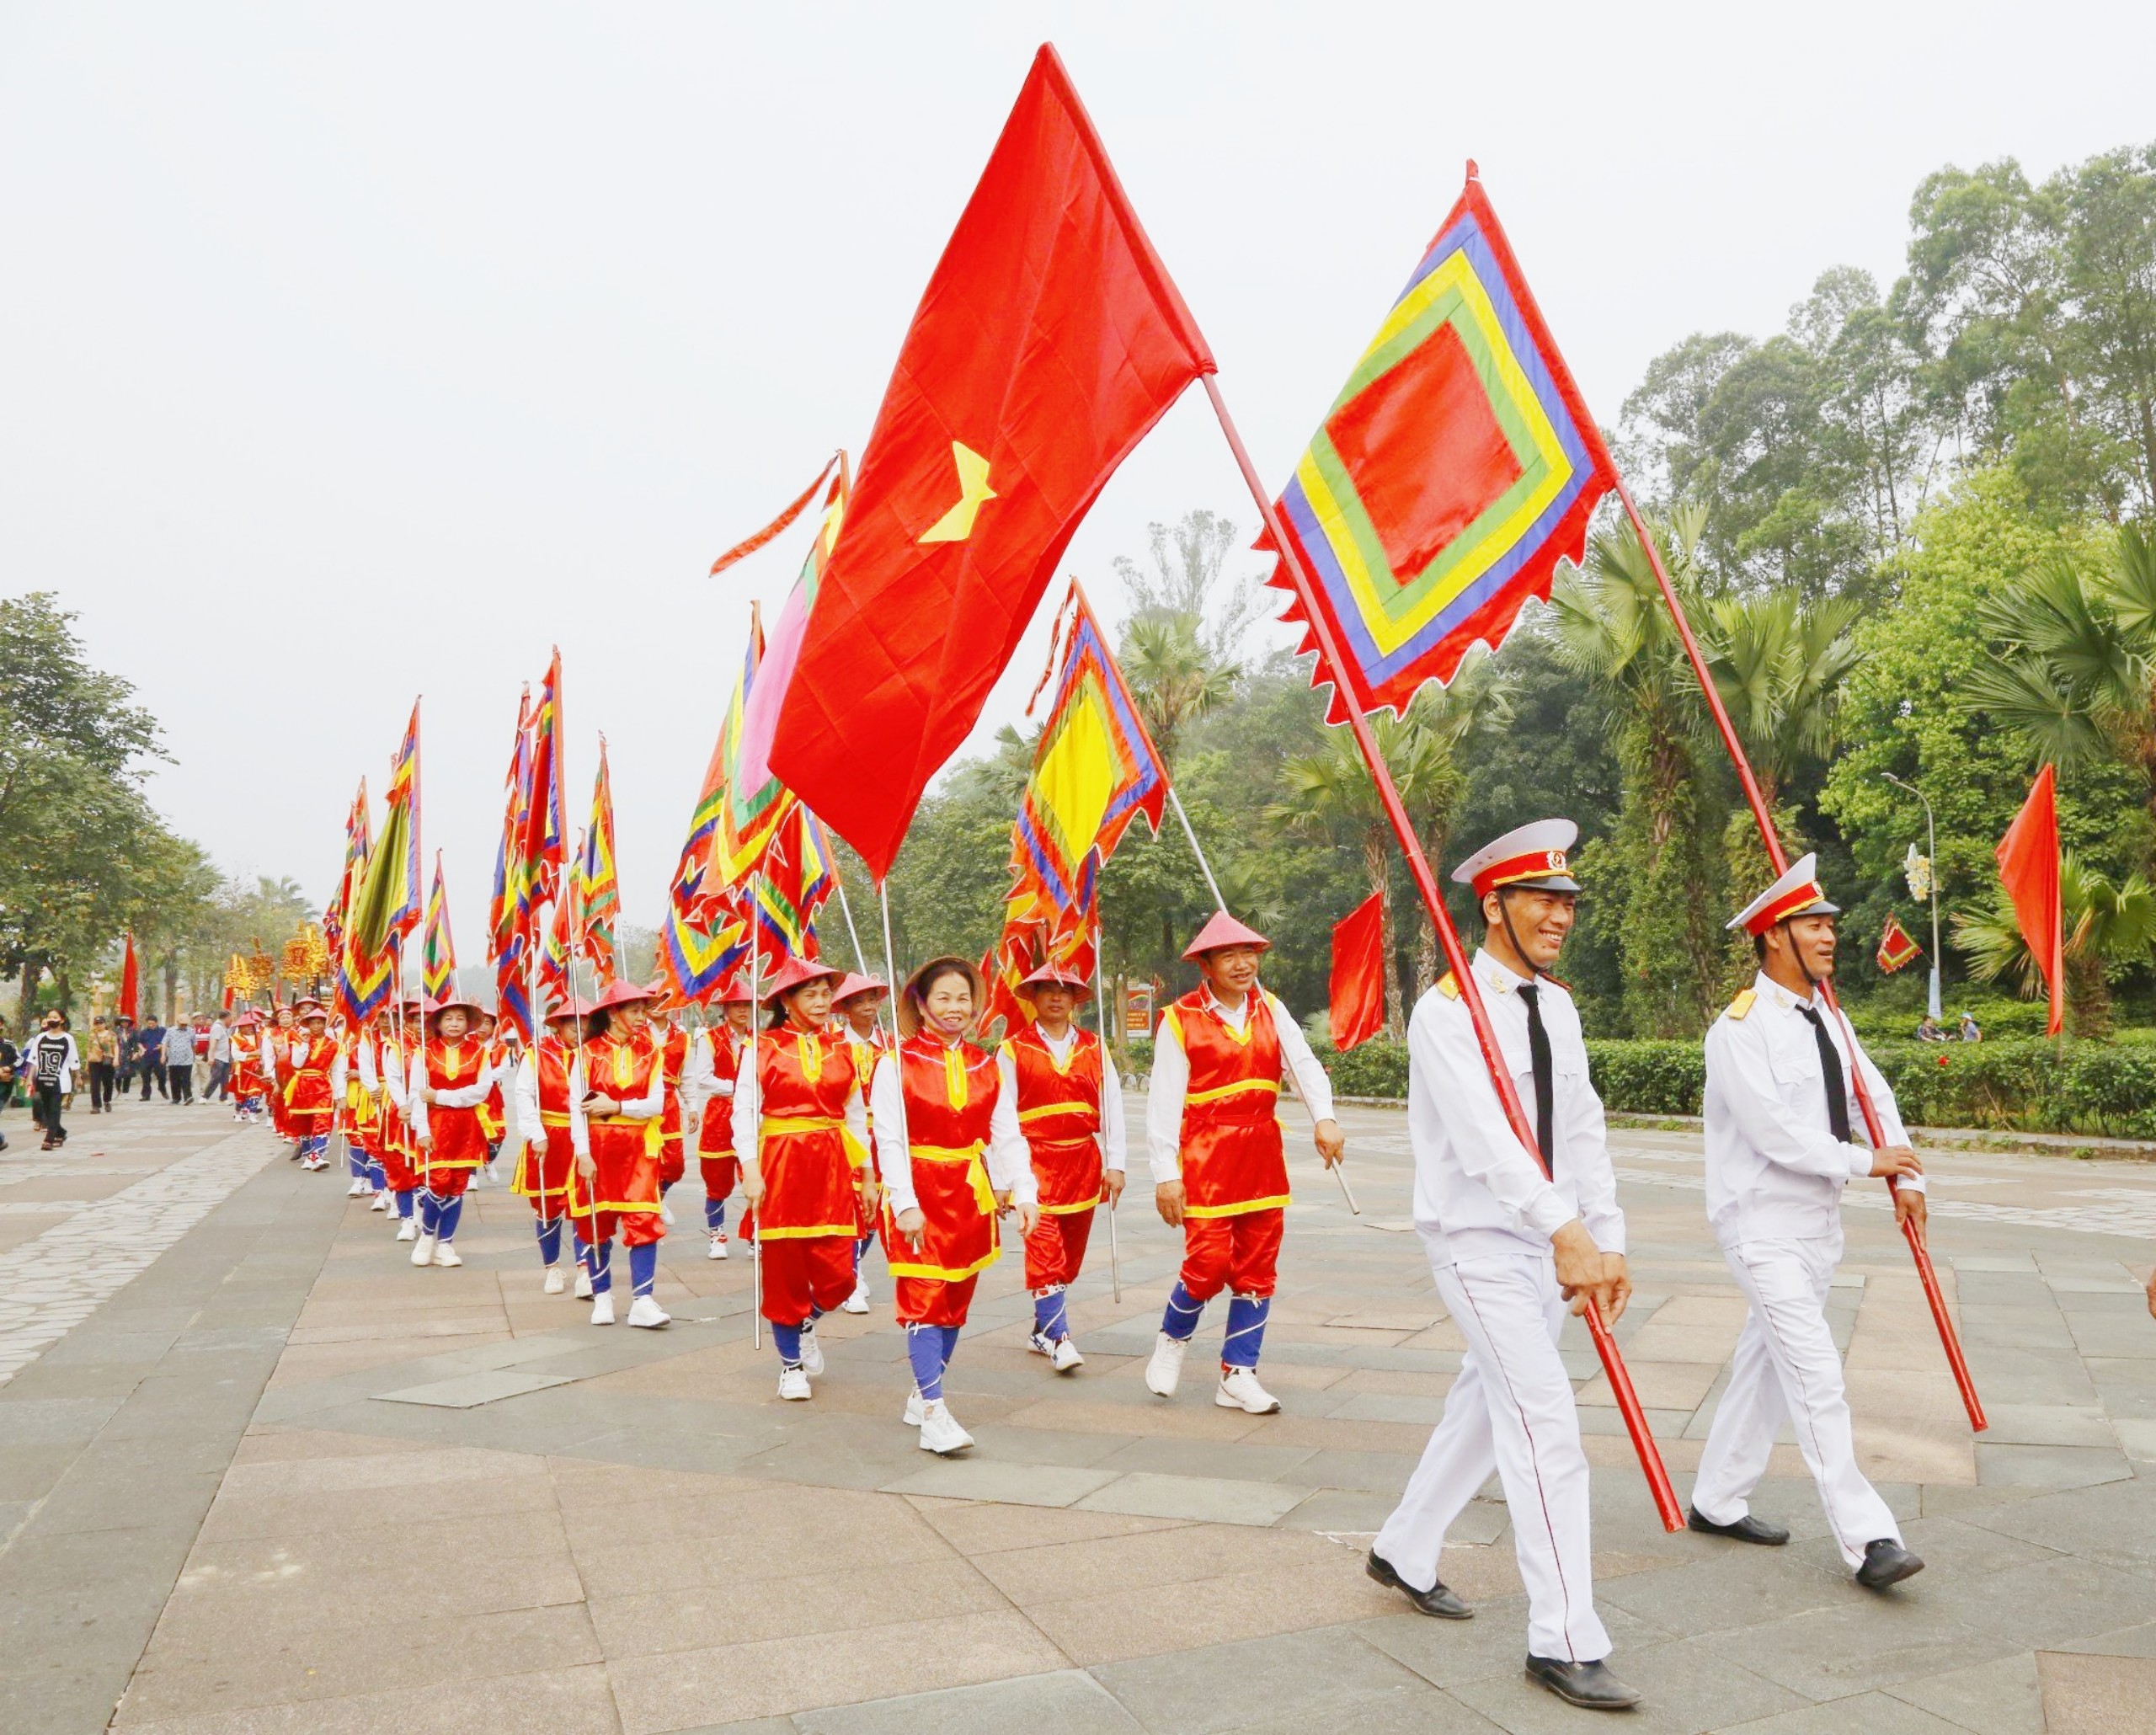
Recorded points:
(1057, 1247)
(802, 1274)
(672, 1164)
(721, 1174)
(396, 1168)
(447, 1183)
(1240, 1254)
(633, 1229)
(930, 1300)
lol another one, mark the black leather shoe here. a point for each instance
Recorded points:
(1589, 1685)
(1436, 1600)
(1746, 1528)
(1886, 1563)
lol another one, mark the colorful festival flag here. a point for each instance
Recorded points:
(794, 879)
(540, 852)
(2029, 869)
(129, 1005)
(390, 900)
(438, 950)
(1896, 946)
(1455, 468)
(509, 941)
(760, 709)
(1050, 340)
(363, 980)
(598, 890)
(1095, 770)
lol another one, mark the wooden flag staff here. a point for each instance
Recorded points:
(1331, 668)
(1948, 1339)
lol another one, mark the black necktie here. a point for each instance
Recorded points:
(1830, 1063)
(1546, 1084)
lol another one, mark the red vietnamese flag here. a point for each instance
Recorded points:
(129, 1005)
(1357, 996)
(1050, 340)
(2028, 868)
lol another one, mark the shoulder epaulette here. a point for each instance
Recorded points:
(1449, 985)
(1742, 1004)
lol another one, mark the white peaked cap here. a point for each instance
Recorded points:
(1531, 855)
(1796, 892)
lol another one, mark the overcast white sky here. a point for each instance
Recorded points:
(352, 352)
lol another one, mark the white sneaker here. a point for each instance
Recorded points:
(716, 1250)
(1064, 1357)
(602, 1308)
(446, 1254)
(752, 1249)
(556, 1283)
(645, 1311)
(857, 1302)
(381, 1203)
(811, 1353)
(1038, 1341)
(315, 1165)
(666, 1213)
(358, 1189)
(582, 1282)
(793, 1384)
(1240, 1391)
(912, 1416)
(940, 1431)
(407, 1228)
(422, 1249)
(1163, 1372)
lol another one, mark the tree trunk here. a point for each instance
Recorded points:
(1427, 950)
(171, 987)
(26, 997)
(64, 992)
(2087, 999)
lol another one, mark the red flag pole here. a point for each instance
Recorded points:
(1331, 664)
(1948, 1339)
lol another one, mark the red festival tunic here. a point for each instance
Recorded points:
(460, 1142)
(1059, 1113)
(715, 1137)
(1233, 1160)
(803, 1082)
(543, 1170)
(247, 1071)
(672, 1048)
(950, 1096)
(624, 1148)
(308, 1104)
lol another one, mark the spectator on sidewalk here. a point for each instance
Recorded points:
(1927, 1030)
(150, 1055)
(104, 1066)
(1971, 1031)
(179, 1064)
(52, 1061)
(221, 1060)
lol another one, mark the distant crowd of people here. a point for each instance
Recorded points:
(117, 1056)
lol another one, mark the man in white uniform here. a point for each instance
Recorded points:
(1513, 1235)
(1781, 1146)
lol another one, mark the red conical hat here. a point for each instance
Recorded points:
(791, 973)
(853, 983)
(736, 992)
(1224, 930)
(579, 1007)
(458, 1001)
(622, 994)
(1055, 975)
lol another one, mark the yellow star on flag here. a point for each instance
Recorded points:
(956, 525)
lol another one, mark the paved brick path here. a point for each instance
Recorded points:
(444, 1502)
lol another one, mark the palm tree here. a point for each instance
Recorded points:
(1174, 677)
(2106, 925)
(2077, 679)
(1779, 666)
(1333, 797)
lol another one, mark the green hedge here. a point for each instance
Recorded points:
(2027, 1085)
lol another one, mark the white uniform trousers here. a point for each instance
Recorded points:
(1511, 1410)
(1787, 1368)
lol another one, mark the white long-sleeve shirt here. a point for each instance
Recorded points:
(1010, 1163)
(1775, 1168)
(530, 1129)
(1477, 1188)
(392, 1071)
(747, 1111)
(1114, 1145)
(370, 1074)
(1171, 1082)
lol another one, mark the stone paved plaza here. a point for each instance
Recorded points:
(257, 1474)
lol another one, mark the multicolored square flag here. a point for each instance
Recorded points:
(1896, 946)
(438, 949)
(1456, 467)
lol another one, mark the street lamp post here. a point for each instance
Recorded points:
(1931, 849)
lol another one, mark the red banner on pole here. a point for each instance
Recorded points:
(2028, 868)
(1357, 1012)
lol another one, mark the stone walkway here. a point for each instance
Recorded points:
(442, 1501)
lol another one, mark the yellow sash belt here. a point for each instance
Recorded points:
(976, 1172)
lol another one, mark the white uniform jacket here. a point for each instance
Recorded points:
(1774, 1169)
(1477, 1189)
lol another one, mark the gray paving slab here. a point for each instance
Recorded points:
(2000, 1698)
(467, 1391)
(1013, 1484)
(1874, 1713)
(1206, 1499)
(1069, 1702)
